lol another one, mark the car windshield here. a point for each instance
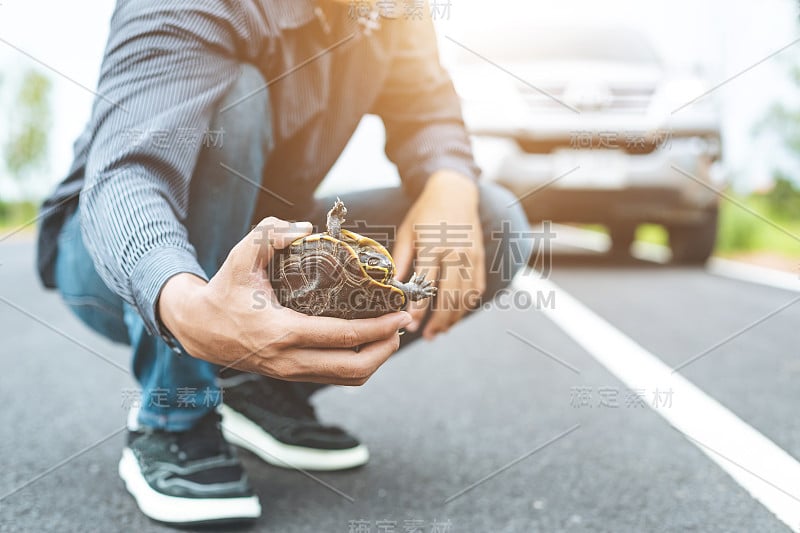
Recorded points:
(566, 44)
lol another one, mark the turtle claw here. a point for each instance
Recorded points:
(336, 218)
(339, 209)
(419, 288)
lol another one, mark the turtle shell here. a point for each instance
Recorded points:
(320, 275)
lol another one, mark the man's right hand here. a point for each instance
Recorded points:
(220, 322)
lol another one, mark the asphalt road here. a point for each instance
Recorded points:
(496, 426)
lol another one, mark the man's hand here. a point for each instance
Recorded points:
(220, 322)
(444, 223)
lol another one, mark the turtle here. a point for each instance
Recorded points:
(339, 273)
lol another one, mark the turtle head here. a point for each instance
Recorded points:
(376, 265)
(336, 217)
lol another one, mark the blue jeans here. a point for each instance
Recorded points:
(178, 390)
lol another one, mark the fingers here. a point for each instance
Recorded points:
(417, 310)
(403, 252)
(341, 366)
(466, 292)
(258, 246)
(443, 317)
(479, 270)
(324, 332)
(473, 285)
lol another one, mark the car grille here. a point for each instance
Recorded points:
(628, 100)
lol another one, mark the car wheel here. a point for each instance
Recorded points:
(622, 236)
(693, 244)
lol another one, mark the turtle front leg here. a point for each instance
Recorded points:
(416, 289)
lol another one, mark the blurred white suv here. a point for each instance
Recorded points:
(599, 130)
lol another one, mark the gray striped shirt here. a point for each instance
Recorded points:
(166, 66)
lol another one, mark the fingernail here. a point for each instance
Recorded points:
(413, 326)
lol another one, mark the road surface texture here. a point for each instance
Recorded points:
(510, 422)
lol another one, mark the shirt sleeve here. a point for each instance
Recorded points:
(421, 111)
(166, 66)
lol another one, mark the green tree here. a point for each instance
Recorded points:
(784, 197)
(26, 147)
(784, 122)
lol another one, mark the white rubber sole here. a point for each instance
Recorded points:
(241, 431)
(176, 510)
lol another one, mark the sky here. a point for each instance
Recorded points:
(723, 38)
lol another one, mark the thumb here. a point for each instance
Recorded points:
(403, 252)
(258, 247)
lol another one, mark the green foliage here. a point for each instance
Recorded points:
(16, 214)
(26, 148)
(652, 233)
(742, 231)
(784, 122)
(738, 231)
(784, 198)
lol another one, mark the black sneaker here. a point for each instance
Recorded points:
(274, 420)
(189, 477)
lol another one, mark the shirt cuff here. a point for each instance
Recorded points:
(418, 177)
(148, 278)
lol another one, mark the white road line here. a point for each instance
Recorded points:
(755, 274)
(767, 472)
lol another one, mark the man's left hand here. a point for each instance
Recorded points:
(442, 236)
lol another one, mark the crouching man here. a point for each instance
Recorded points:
(216, 116)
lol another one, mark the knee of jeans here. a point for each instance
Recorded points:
(249, 82)
(507, 236)
(238, 144)
(245, 110)
(81, 287)
(99, 316)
